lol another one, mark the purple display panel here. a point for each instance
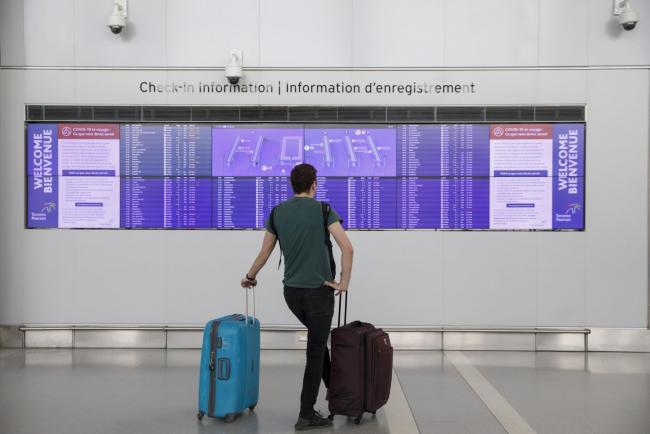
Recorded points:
(335, 192)
(246, 202)
(165, 150)
(187, 150)
(233, 203)
(42, 179)
(256, 150)
(464, 203)
(42, 207)
(568, 176)
(188, 203)
(270, 192)
(141, 150)
(418, 150)
(170, 202)
(355, 150)
(443, 150)
(568, 205)
(464, 150)
(418, 202)
(362, 203)
(568, 152)
(141, 202)
(372, 203)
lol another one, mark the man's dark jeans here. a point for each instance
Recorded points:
(314, 307)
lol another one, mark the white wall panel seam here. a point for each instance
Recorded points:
(647, 210)
(588, 12)
(647, 214)
(74, 33)
(351, 62)
(331, 69)
(444, 32)
(167, 311)
(166, 32)
(443, 286)
(585, 291)
(76, 302)
(537, 265)
(74, 89)
(539, 37)
(21, 229)
(259, 32)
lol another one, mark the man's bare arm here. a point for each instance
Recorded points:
(347, 252)
(268, 244)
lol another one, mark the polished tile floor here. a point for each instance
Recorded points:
(154, 391)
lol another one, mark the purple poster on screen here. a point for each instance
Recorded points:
(42, 179)
(568, 176)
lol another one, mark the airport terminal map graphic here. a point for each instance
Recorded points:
(377, 176)
(334, 151)
(250, 151)
(351, 151)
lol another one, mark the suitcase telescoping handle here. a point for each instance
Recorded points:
(345, 314)
(252, 289)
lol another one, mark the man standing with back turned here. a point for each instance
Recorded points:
(309, 285)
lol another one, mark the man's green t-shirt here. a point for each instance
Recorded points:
(299, 223)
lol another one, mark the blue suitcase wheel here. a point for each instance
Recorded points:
(230, 417)
(200, 415)
(252, 407)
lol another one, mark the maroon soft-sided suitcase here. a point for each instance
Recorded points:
(362, 368)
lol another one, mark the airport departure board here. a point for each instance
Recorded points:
(376, 176)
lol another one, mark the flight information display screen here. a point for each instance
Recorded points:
(377, 176)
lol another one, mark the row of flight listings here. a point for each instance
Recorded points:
(335, 150)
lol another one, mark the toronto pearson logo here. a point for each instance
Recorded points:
(573, 208)
(48, 207)
(498, 132)
(66, 131)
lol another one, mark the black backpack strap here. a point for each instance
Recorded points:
(325, 208)
(275, 232)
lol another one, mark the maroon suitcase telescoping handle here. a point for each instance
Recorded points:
(345, 315)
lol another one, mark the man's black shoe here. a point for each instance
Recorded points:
(316, 421)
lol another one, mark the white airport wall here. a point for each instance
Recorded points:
(592, 278)
(325, 33)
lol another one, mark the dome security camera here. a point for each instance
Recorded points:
(117, 20)
(627, 16)
(234, 71)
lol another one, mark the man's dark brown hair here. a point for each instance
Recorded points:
(302, 177)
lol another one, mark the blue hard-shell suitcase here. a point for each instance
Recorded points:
(230, 366)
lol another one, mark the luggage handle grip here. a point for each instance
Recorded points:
(345, 314)
(223, 369)
(252, 288)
